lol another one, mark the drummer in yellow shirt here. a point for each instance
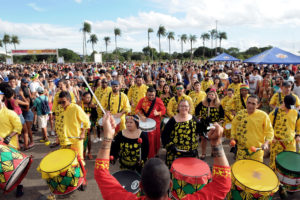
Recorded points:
(136, 93)
(10, 124)
(197, 95)
(172, 106)
(286, 124)
(116, 103)
(75, 122)
(207, 82)
(238, 102)
(251, 128)
(277, 98)
(228, 117)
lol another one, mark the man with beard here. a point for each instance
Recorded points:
(207, 82)
(116, 103)
(277, 98)
(173, 103)
(251, 128)
(239, 100)
(136, 92)
(236, 84)
(151, 107)
(99, 93)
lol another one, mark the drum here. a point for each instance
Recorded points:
(252, 180)
(14, 166)
(130, 180)
(62, 171)
(147, 126)
(117, 121)
(288, 170)
(188, 175)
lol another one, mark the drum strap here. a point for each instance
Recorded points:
(279, 98)
(109, 96)
(242, 100)
(150, 109)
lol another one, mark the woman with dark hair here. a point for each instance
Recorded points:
(209, 111)
(166, 94)
(90, 109)
(218, 86)
(130, 146)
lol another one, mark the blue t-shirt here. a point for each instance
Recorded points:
(38, 104)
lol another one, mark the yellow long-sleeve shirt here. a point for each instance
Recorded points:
(236, 102)
(10, 122)
(56, 106)
(113, 105)
(285, 124)
(277, 101)
(173, 105)
(226, 104)
(74, 119)
(135, 94)
(251, 130)
(99, 93)
(206, 84)
(235, 87)
(197, 97)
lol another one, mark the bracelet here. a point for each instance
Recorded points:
(106, 139)
(217, 151)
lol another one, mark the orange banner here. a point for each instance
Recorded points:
(35, 52)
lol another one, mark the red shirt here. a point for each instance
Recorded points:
(145, 104)
(112, 190)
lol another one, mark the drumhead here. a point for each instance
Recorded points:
(57, 160)
(117, 120)
(130, 180)
(191, 170)
(255, 175)
(17, 173)
(289, 160)
(148, 124)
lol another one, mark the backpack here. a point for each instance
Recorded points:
(45, 106)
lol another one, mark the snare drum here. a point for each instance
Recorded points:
(14, 166)
(117, 121)
(288, 170)
(130, 180)
(147, 126)
(63, 172)
(188, 175)
(252, 179)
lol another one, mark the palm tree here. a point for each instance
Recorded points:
(150, 30)
(87, 28)
(15, 40)
(6, 40)
(93, 39)
(204, 37)
(192, 38)
(0, 43)
(170, 37)
(212, 33)
(107, 41)
(161, 32)
(183, 39)
(117, 32)
(222, 36)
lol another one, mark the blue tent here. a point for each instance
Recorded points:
(274, 56)
(224, 57)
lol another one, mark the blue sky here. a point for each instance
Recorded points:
(56, 23)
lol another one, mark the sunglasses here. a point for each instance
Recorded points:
(179, 88)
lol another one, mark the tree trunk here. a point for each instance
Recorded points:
(169, 46)
(116, 41)
(148, 40)
(159, 43)
(181, 47)
(106, 47)
(83, 46)
(203, 49)
(15, 45)
(5, 49)
(191, 50)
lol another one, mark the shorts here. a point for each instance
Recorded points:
(28, 116)
(42, 121)
(22, 119)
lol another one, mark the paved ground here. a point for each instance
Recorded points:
(36, 189)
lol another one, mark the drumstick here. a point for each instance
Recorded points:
(255, 149)
(99, 104)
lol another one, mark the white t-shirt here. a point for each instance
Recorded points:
(33, 86)
(255, 78)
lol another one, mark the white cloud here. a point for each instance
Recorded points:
(78, 1)
(35, 7)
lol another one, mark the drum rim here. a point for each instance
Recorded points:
(25, 159)
(281, 167)
(271, 191)
(59, 169)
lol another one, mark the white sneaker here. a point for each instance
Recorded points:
(52, 133)
(96, 140)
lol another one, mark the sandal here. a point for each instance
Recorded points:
(203, 156)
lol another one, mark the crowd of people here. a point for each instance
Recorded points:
(257, 106)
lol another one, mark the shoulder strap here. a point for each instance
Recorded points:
(150, 109)
(275, 115)
(279, 97)
(242, 100)
(109, 96)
